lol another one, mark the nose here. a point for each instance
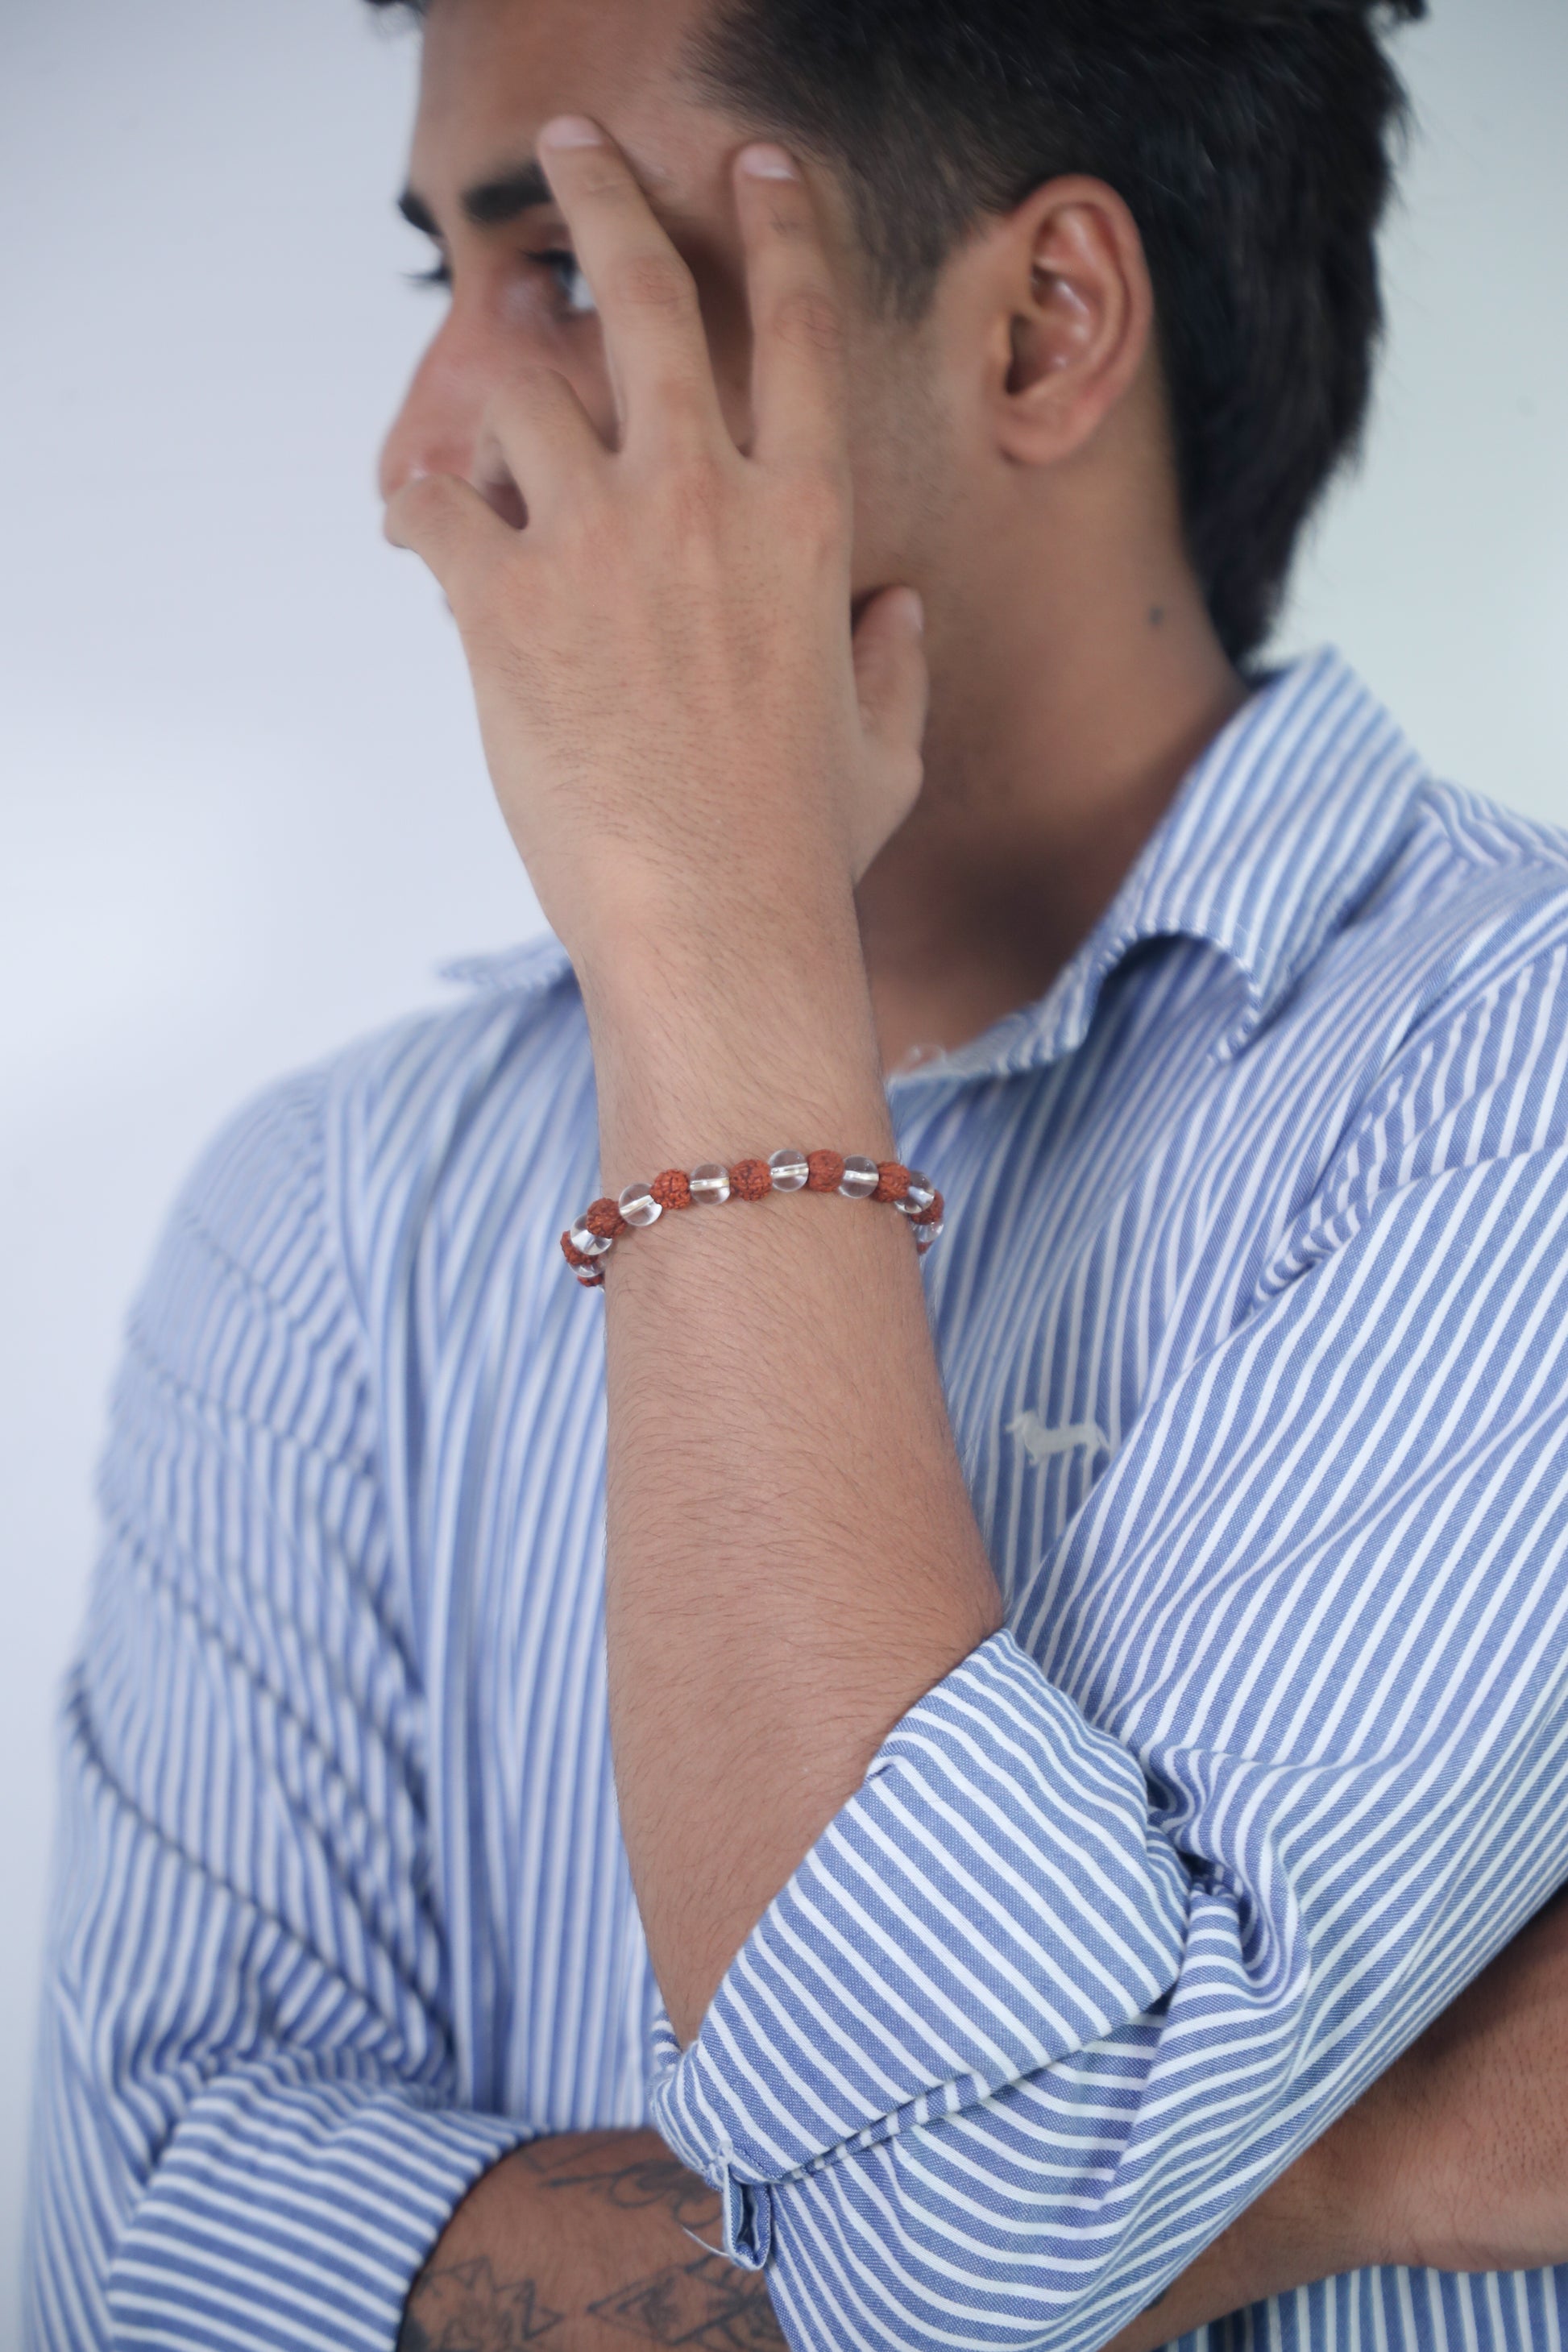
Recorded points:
(440, 428)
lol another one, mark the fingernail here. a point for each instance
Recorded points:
(570, 131)
(763, 161)
(915, 612)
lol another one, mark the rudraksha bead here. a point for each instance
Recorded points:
(588, 1242)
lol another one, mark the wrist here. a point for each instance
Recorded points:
(1340, 2197)
(710, 1044)
(647, 951)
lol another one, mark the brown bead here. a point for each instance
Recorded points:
(892, 1180)
(751, 1180)
(604, 1217)
(672, 1189)
(575, 1257)
(931, 1216)
(827, 1170)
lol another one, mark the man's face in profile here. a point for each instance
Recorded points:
(494, 71)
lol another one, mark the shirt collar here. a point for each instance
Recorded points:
(531, 970)
(1275, 834)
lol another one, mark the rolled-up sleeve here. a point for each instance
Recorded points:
(250, 2131)
(992, 1898)
(1273, 1758)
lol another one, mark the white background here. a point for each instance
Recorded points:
(242, 812)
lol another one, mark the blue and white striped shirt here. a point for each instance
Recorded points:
(1251, 1313)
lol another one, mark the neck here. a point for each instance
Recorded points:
(1062, 723)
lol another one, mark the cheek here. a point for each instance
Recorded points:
(905, 474)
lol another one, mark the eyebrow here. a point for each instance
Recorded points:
(489, 204)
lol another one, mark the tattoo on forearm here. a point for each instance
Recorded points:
(601, 2169)
(464, 2308)
(707, 2303)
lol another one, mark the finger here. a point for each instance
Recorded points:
(447, 524)
(646, 295)
(798, 328)
(546, 438)
(890, 671)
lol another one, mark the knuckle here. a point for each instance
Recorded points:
(807, 319)
(515, 404)
(593, 530)
(600, 177)
(658, 282)
(526, 386)
(906, 774)
(816, 503)
(695, 486)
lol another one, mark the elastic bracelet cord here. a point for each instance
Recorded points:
(604, 1222)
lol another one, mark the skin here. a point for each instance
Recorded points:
(789, 839)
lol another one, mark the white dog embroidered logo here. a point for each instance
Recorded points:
(1040, 1443)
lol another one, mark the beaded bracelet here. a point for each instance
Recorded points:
(600, 1225)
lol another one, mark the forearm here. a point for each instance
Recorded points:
(792, 1555)
(592, 2231)
(1455, 2159)
(590, 2235)
(1313, 2222)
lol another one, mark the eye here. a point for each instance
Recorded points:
(576, 294)
(438, 274)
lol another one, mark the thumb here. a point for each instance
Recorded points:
(890, 682)
(890, 671)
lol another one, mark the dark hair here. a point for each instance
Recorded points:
(1252, 140)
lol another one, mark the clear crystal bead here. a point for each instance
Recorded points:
(639, 1207)
(918, 1197)
(861, 1177)
(789, 1170)
(710, 1182)
(591, 1245)
(926, 1234)
(589, 1275)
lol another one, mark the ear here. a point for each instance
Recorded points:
(1073, 317)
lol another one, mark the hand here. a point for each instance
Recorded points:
(1455, 2159)
(1475, 2117)
(587, 2238)
(676, 718)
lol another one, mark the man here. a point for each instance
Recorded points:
(1074, 1725)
